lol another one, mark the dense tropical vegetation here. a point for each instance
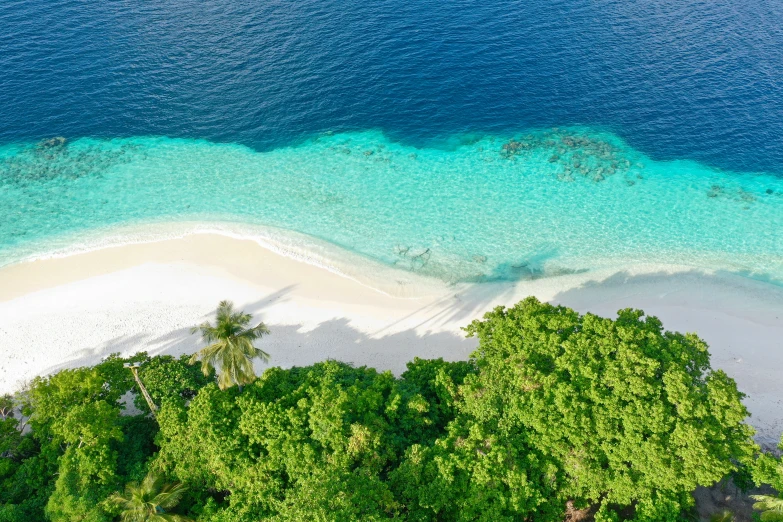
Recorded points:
(554, 412)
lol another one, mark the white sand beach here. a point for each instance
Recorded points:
(74, 310)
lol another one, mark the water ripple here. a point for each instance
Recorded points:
(698, 80)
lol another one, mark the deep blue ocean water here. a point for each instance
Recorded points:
(668, 148)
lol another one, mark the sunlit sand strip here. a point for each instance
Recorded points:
(286, 243)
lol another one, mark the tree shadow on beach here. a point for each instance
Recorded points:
(297, 345)
(337, 338)
(175, 342)
(464, 303)
(692, 289)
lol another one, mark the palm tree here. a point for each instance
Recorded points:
(771, 506)
(148, 501)
(231, 346)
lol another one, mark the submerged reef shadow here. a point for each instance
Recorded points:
(425, 259)
(534, 265)
(575, 152)
(60, 159)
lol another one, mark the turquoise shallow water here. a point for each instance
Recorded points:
(474, 208)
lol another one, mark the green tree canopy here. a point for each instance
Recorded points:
(626, 412)
(78, 449)
(169, 379)
(316, 441)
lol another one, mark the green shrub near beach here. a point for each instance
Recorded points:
(553, 409)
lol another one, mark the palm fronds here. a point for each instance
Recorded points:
(770, 506)
(148, 501)
(230, 346)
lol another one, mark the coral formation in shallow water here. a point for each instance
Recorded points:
(57, 158)
(473, 208)
(573, 154)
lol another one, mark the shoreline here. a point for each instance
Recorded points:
(73, 310)
(332, 257)
(283, 242)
